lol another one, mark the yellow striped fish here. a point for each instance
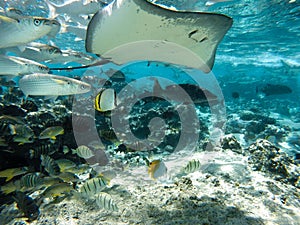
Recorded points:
(104, 201)
(106, 100)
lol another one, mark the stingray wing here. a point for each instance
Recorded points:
(129, 30)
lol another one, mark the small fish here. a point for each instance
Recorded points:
(16, 32)
(157, 168)
(78, 57)
(43, 149)
(51, 132)
(192, 166)
(10, 119)
(57, 190)
(38, 52)
(23, 134)
(14, 66)
(104, 201)
(12, 172)
(50, 165)
(65, 164)
(6, 129)
(10, 187)
(27, 205)
(83, 152)
(274, 89)
(31, 180)
(93, 186)
(68, 177)
(51, 85)
(106, 100)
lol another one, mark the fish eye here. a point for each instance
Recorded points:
(82, 87)
(37, 22)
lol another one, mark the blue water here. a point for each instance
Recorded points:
(262, 47)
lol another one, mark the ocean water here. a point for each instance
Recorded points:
(252, 93)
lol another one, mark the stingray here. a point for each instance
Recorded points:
(135, 30)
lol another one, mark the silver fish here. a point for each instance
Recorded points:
(104, 200)
(38, 52)
(15, 32)
(51, 85)
(14, 66)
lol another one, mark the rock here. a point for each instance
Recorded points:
(266, 157)
(230, 142)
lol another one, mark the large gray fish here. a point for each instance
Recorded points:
(131, 30)
(14, 66)
(51, 85)
(15, 32)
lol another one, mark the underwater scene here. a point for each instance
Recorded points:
(147, 112)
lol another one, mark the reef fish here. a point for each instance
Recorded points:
(15, 32)
(104, 200)
(274, 89)
(51, 132)
(157, 168)
(140, 30)
(12, 172)
(51, 85)
(192, 166)
(83, 152)
(106, 100)
(93, 186)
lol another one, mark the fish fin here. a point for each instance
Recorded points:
(51, 97)
(192, 42)
(7, 19)
(8, 178)
(53, 138)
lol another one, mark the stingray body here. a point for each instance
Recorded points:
(133, 30)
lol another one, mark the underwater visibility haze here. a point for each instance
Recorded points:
(150, 112)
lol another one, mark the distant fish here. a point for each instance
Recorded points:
(192, 166)
(106, 100)
(14, 66)
(12, 172)
(157, 168)
(274, 89)
(57, 190)
(83, 152)
(104, 201)
(23, 134)
(51, 132)
(51, 85)
(27, 205)
(15, 32)
(43, 149)
(65, 164)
